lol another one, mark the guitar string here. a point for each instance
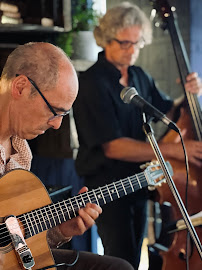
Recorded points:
(79, 201)
(94, 200)
(102, 191)
(34, 224)
(75, 205)
(92, 197)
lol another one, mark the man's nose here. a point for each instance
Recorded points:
(55, 123)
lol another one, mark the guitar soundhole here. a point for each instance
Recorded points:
(4, 236)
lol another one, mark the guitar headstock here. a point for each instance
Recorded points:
(164, 10)
(154, 174)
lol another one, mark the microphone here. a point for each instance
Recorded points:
(130, 95)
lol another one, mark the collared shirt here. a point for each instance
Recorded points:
(21, 159)
(101, 116)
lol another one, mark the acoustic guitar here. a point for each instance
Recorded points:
(26, 213)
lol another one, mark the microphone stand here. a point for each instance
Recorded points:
(150, 135)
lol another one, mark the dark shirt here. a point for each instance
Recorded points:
(101, 116)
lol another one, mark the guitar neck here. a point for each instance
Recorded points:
(52, 215)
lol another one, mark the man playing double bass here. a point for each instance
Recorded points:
(112, 143)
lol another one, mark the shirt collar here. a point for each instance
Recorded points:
(110, 67)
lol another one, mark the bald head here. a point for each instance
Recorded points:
(38, 60)
(42, 67)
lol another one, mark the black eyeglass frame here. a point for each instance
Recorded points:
(47, 103)
(130, 43)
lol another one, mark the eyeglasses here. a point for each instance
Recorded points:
(56, 115)
(126, 44)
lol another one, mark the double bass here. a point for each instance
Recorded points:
(177, 247)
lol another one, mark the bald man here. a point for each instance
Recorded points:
(37, 89)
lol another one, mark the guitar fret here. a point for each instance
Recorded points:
(37, 214)
(64, 219)
(32, 231)
(127, 186)
(85, 198)
(123, 187)
(82, 200)
(109, 193)
(113, 192)
(39, 220)
(53, 222)
(130, 183)
(27, 225)
(145, 181)
(72, 208)
(40, 228)
(47, 218)
(138, 181)
(102, 195)
(77, 203)
(98, 197)
(88, 197)
(34, 224)
(67, 210)
(57, 217)
(116, 190)
(95, 197)
(45, 226)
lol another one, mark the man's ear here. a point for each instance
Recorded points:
(19, 85)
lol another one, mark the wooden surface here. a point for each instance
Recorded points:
(21, 192)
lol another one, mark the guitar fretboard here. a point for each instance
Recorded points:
(52, 215)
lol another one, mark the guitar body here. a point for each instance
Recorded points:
(21, 192)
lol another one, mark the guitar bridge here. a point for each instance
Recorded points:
(19, 243)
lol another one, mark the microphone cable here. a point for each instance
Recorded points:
(188, 238)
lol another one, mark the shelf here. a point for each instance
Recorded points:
(26, 28)
(10, 34)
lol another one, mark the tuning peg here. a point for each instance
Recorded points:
(151, 188)
(147, 164)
